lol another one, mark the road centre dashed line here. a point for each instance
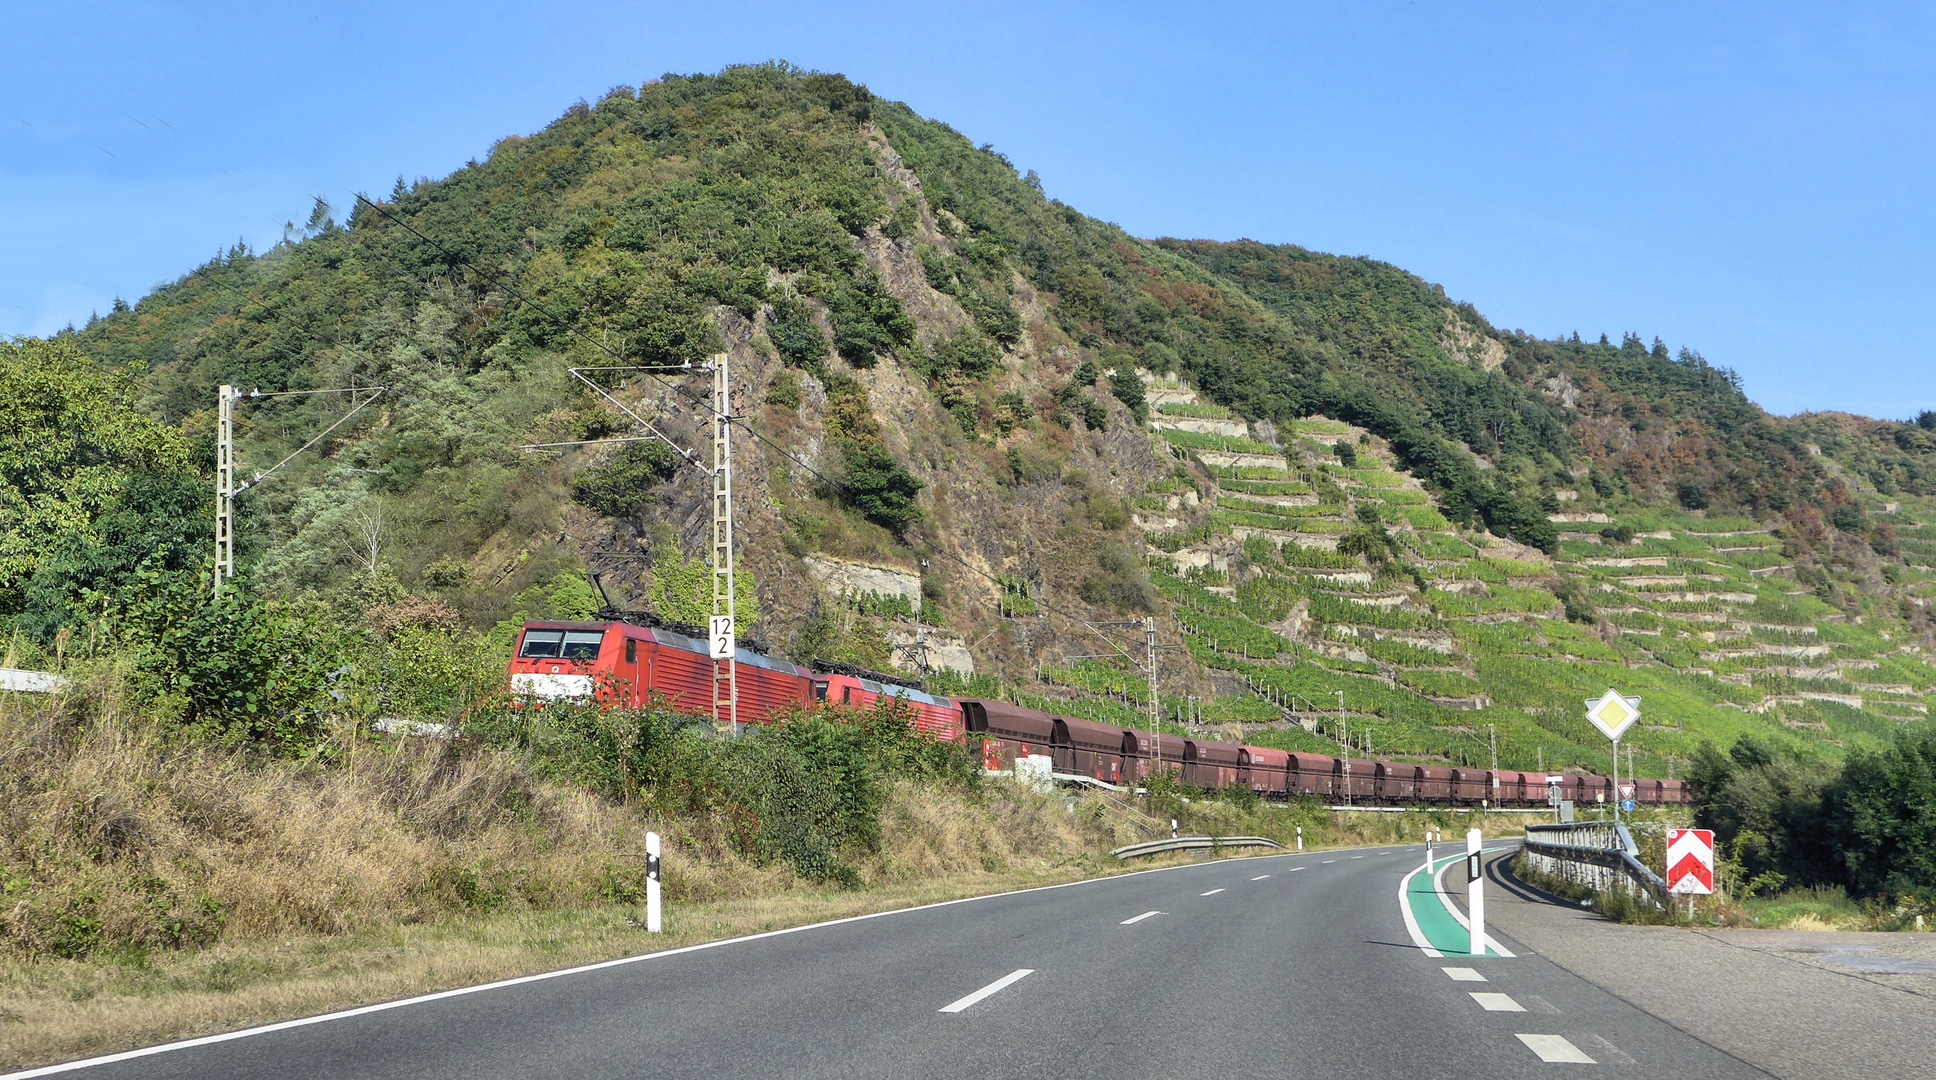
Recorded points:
(1328, 862)
(1357, 856)
(1212, 892)
(1555, 1048)
(1496, 1002)
(1138, 918)
(990, 990)
(1260, 877)
(1609, 1053)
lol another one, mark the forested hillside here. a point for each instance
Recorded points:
(1356, 508)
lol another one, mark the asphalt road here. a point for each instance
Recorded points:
(1284, 965)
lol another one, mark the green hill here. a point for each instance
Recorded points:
(962, 397)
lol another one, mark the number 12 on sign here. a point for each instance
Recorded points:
(721, 638)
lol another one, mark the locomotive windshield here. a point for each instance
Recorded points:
(561, 644)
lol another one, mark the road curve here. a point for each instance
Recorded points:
(1297, 964)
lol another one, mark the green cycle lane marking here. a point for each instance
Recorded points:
(1435, 928)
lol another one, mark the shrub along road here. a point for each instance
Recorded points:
(1297, 962)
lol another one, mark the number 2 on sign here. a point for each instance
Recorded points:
(721, 637)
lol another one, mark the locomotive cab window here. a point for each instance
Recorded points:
(820, 691)
(541, 644)
(581, 644)
(631, 650)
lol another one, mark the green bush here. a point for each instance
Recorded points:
(1880, 811)
(621, 485)
(881, 488)
(964, 353)
(1128, 389)
(795, 335)
(806, 791)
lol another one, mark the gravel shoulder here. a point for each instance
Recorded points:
(1808, 1005)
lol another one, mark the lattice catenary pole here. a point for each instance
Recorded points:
(224, 486)
(725, 685)
(1156, 737)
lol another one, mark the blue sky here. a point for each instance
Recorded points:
(1756, 182)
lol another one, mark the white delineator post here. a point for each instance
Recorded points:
(652, 912)
(1300, 838)
(1475, 892)
(1428, 851)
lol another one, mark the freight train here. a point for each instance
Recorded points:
(648, 663)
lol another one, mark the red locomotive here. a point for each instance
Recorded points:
(625, 664)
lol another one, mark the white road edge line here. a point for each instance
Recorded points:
(1212, 892)
(636, 958)
(1555, 1048)
(990, 990)
(1411, 921)
(1438, 883)
(1496, 1002)
(1125, 922)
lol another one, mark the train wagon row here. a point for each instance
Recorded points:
(1124, 756)
(625, 664)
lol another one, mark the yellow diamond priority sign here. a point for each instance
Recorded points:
(1613, 714)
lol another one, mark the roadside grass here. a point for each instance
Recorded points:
(937, 846)
(60, 1009)
(1815, 907)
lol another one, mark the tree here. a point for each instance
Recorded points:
(621, 485)
(1128, 388)
(367, 535)
(70, 440)
(881, 488)
(1764, 802)
(156, 528)
(1879, 815)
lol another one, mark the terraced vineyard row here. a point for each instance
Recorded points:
(1325, 583)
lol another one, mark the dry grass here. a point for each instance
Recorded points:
(154, 888)
(61, 1009)
(115, 837)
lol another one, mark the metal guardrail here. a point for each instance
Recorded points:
(1603, 844)
(1191, 843)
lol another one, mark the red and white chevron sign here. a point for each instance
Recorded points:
(1690, 861)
